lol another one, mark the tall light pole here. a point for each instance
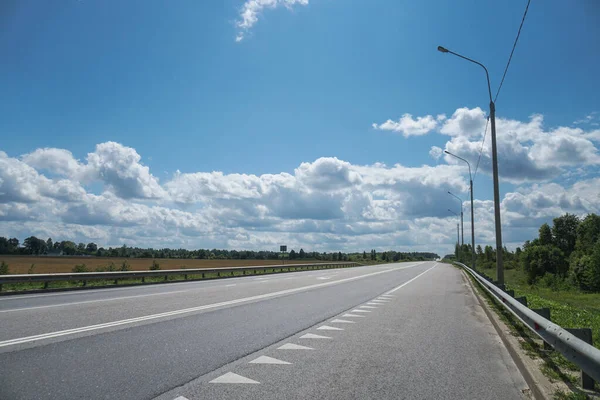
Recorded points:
(472, 218)
(499, 264)
(462, 227)
(457, 234)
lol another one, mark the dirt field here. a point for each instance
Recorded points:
(46, 265)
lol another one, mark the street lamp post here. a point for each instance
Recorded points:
(472, 218)
(457, 234)
(462, 227)
(499, 264)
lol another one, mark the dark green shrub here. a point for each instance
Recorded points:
(80, 268)
(3, 268)
(155, 266)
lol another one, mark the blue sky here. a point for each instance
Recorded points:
(308, 80)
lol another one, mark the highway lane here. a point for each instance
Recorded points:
(428, 339)
(211, 324)
(31, 315)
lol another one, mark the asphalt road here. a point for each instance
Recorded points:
(427, 339)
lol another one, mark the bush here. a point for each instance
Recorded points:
(155, 266)
(3, 268)
(100, 269)
(111, 267)
(80, 268)
(31, 269)
(124, 266)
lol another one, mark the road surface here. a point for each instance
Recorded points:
(408, 330)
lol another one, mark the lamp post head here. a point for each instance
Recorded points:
(449, 192)
(442, 49)
(446, 151)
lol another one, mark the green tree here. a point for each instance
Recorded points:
(301, 254)
(564, 232)
(91, 248)
(292, 255)
(588, 234)
(545, 235)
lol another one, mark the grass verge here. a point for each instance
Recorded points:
(554, 365)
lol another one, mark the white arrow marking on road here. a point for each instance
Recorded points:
(268, 360)
(181, 398)
(313, 336)
(353, 315)
(230, 377)
(360, 311)
(329, 328)
(342, 321)
(292, 346)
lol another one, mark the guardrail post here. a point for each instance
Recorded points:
(510, 292)
(0, 287)
(203, 275)
(84, 283)
(544, 312)
(166, 277)
(143, 279)
(522, 300)
(116, 281)
(185, 277)
(585, 334)
(45, 285)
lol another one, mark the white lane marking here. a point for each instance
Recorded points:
(188, 310)
(233, 284)
(329, 328)
(342, 321)
(325, 277)
(313, 336)
(292, 346)
(353, 315)
(350, 311)
(386, 296)
(89, 301)
(376, 303)
(230, 377)
(180, 398)
(268, 360)
(367, 307)
(407, 282)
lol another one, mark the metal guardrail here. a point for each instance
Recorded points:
(584, 355)
(116, 275)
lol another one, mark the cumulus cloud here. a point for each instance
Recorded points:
(527, 151)
(253, 8)
(323, 205)
(408, 126)
(436, 152)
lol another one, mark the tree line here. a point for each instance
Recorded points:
(36, 246)
(564, 255)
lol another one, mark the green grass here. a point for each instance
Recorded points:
(568, 308)
(554, 366)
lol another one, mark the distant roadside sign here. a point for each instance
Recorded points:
(283, 248)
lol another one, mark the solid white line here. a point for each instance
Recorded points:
(89, 301)
(186, 310)
(407, 282)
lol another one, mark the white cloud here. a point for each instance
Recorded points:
(253, 8)
(408, 126)
(323, 205)
(527, 151)
(436, 152)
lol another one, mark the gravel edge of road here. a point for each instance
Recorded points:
(540, 387)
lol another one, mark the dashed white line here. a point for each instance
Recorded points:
(329, 328)
(367, 307)
(363, 311)
(128, 321)
(89, 301)
(342, 321)
(353, 316)
(313, 336)
(268, 360)
(233, 284)
(292, 346)
(230, 377)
